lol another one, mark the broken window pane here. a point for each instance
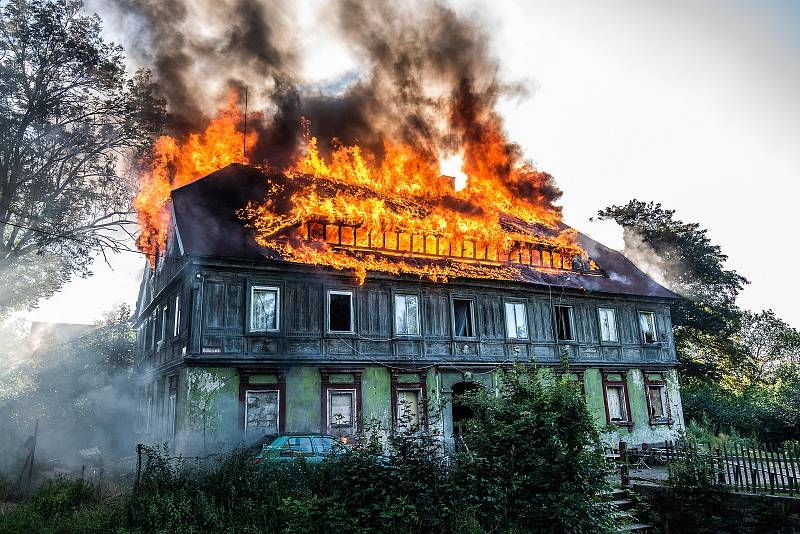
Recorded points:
(406, 315)
(564, 324)
(647, 322)
(516, 320)
(608, 325)
(463, 315)
(340, 409)
(340, 311)
(264, 309)
(261, 412)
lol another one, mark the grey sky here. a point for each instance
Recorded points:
(691, 104)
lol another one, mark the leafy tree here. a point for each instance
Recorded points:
(684, 258)
(68, 112)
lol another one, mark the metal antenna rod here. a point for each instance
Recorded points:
(244, 134)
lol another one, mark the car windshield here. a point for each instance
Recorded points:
(323, 443)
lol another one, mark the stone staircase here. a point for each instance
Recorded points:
(624, 501)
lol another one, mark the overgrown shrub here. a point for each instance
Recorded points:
(535, 462)
(65, 506)
(534, 465)
(694, 503)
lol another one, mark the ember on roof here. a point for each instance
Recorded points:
(214, 217)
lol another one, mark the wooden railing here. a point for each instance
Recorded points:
(766, 467)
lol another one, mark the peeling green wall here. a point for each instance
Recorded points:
(212, 409)
(376, 396)
(303, 389)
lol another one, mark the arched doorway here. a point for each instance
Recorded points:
(460, 411)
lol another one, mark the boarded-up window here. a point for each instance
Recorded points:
(340, 408)
(516, 320)
(406, 315)
(615, 399)
(608, 325)
(408, 409)
(264, 309)
(261, 412)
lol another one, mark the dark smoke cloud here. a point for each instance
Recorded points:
(416, 62)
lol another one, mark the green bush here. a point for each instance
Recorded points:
(535, 462)
(534, 465)
(64, 506)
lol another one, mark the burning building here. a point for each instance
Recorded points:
(330, 295)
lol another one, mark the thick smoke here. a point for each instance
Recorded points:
(426, 76)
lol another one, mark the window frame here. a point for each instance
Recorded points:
(571, 309)
(176, 316)
(395, 330)
(327, 386)
(639, 314)
(353, 417)
(600, 325)
(336, 291)
(473, 305)
(250, 302)
(623, 384)
(420, 386)
(661, 384)
(279, 386)
(513, 302)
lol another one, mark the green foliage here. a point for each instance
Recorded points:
(69, 110)
(64, 506)
(691, 265)
(534, 465)
(694, 503)
(535, 460)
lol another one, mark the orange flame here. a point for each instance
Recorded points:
(175, 165)
(504, 213)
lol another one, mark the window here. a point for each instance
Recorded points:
(608, 325)
(322, 443)
(408, 409)
(406, 315)
(340, 408)
(464, 317)
(172, 405)
(516, 320)
(264, 309)
(647, 322)
(176, 327)
(299, 445)
(340, 311)
(261, 412)
(564, 323)
(658, 403)
(615, 402)
(163, 335)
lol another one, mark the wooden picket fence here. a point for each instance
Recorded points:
(764, 468)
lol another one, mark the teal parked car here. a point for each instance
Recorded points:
(311, 447)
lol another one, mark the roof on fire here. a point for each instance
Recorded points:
(206, 220)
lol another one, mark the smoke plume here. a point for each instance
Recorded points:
(426, 77)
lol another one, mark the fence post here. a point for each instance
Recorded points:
(138, 467)
(720, 468)
(625, 480)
